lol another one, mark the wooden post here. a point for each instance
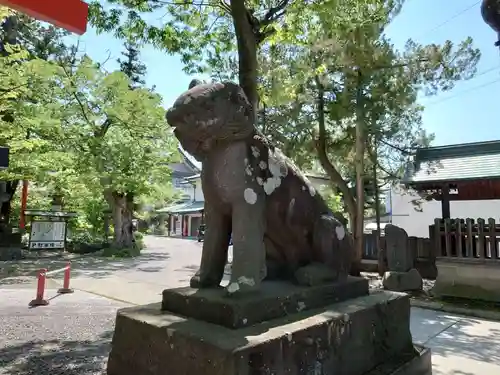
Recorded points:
(469, 243)
(24, 200)
(445, 202)
(492, 237)
(438, 241)
(459, 237)
(447, 237)
(480, 238)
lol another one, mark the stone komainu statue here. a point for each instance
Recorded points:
(280, 225)
(490, 11)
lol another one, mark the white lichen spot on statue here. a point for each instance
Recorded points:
(246, 281)
(248, 170)
(340, 232)
(250, 196)
(276, 167)
(233, 288)
(312, 191)
(255, 151)
(262, 164)
(260, 181)
(271, 184)
(278, 171)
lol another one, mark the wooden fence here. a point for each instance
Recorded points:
(422, 249)
(466, 238)
(448, 238)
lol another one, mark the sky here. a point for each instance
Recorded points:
(463, 114)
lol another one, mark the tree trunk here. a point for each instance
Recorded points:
(360, 191)
(122, 211)
(10, 35)
(380, 251)
(6, 205)
(247, 52)
(5, 211)
(331, 171)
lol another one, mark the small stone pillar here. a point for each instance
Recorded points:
(401, 276)
(57, 202)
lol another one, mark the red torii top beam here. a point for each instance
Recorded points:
(68, 14)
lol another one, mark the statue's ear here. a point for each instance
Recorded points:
(193, 83)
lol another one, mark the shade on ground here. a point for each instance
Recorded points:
(70, 336)
(460, 345)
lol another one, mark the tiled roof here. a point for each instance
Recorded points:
(190, 159)
(181, 169)
(183, 208)
(471, 161)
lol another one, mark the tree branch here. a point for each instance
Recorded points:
(403, 151)
(274, 13)
(10, 89)
(82, 107)
(225, 6)
(321, 147)
(101, 132)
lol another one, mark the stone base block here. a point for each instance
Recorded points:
(417, 363)
(402, 281)
(11, 253)
(468, 278)
(276, 299)
(365, 335)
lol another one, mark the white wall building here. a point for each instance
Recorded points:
(185, 216)
(416, 219)
(465, 178)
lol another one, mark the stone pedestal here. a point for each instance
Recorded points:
(367, 335)
(403, 281)
(468, 278)
(276, 299)
(10, 245)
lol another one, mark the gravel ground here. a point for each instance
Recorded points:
(70, 336)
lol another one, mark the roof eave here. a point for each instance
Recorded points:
(411, 183)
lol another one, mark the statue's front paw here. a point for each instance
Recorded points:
(316, 274)
(197, 281)
(242, 285)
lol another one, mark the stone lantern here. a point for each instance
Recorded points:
(490, 10)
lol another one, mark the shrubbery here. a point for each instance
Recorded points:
(85, 243)
(134, 251)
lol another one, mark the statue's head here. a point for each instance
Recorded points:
(490, 11)
(209, 115)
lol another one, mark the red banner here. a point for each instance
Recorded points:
(68, 14)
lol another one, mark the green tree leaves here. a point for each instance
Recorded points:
(75, 129)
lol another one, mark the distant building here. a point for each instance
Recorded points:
(466, 175)
(185, 216)
(182, 170)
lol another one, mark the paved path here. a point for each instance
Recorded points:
(167, 263)
(460, 345)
